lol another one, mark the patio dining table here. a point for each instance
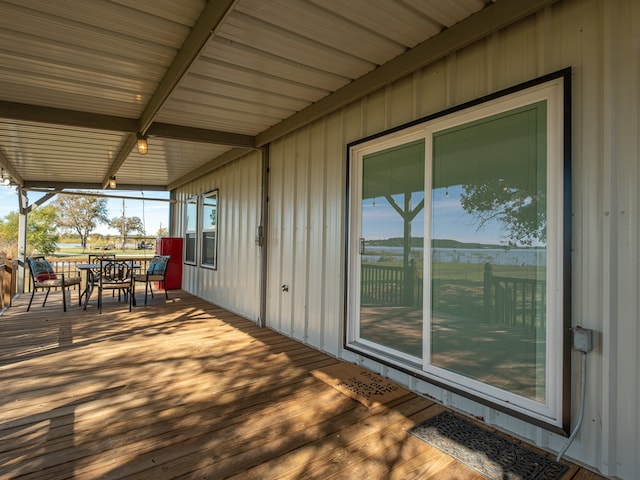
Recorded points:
(88, 288)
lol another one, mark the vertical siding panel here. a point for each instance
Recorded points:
(625, 77)
(430, 90)
(298, 288)
(317, 204)
(231, 289)
(401, 102)
(210, 282)
(516, 50)
(372, 119)
(333, 280)
(288, 232)
(584, 52)
(274, 245)
(473, 83)
(252, 189)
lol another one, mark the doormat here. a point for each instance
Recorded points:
(488, 453)
(367, 387)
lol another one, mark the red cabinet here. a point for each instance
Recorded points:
(172, 246)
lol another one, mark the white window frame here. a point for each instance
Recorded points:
(203, 230)
(553, 413)
(191, 208)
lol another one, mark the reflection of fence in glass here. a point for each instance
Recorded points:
(506, 300)
(390, 285)
(514, 301)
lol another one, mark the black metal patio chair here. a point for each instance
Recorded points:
(156, 272)
(44, 277)
(115, 275)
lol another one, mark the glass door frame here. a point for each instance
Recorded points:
(555, 88)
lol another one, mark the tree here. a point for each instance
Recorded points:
(41, 233)
(162, 232)
(81, 214)
(127, 225)
(41, 229)
(9, 234)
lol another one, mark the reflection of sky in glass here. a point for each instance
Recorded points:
(450, 221)
(380, 220)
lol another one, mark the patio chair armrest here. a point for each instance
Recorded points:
(69, 280)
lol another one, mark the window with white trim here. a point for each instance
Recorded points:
(209, 229)
(459, 237)
(190, 230)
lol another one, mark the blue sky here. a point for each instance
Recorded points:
(153, 214)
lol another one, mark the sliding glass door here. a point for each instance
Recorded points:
(457, 245)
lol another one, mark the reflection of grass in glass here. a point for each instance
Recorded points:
(475, 271)
(458, 288)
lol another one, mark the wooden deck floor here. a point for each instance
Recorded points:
(184, 389)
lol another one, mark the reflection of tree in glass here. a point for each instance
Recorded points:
(522, 211)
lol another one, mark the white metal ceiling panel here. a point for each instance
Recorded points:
(262, 36)
(167, 161)
(152, 61)
(107, 18)
(446, 13)
(253, 79)
(77, 50)
(322, 26)
(183, 12)
(205, 100)
(224, 120)
(230, 89)
(233, 53)
(389, 19)
(55, 152)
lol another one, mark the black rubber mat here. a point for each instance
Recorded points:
(488, 453)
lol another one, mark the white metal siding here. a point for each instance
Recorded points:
(307, 200)
(235, 284)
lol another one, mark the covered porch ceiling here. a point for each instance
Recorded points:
(204, 81)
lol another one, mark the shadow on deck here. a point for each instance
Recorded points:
(185, 389)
